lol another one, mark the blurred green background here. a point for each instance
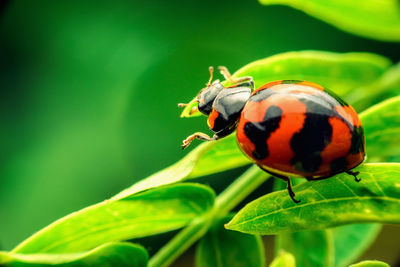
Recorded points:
(89, 90)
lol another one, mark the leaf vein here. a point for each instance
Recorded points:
(345, 185)
(316, 191)
(379, 186)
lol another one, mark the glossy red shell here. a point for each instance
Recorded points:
(297, 128)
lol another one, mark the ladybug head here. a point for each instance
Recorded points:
(208, 94)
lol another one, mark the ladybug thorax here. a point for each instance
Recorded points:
(227, 107)
(207, 96)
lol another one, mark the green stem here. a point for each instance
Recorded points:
(179, 243)
(227, 200)
(240, 189)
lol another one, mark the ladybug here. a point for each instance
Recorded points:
(289, 128)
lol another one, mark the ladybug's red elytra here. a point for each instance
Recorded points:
(289, 128)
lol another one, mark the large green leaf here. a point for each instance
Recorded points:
(369, 18)
(327, 203)
(340, 72)
(110, 254)
(220, 247)
(154, 211)
(350, 241)
(386, 86)
(382, 127)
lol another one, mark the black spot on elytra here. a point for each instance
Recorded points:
(258, 133)
(311, 140)
(338, 165)
(357, 140)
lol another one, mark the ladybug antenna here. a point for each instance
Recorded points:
(211, 69)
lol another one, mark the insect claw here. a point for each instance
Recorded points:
(354, 174)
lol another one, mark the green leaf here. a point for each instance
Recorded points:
(284, 259)
(187, 111)
(378, 20)
(386, 86)
(110, 254)
(382, 127)
(350, 241)
(151, 212)
(340, 72)
(326, 203)
(220, 247)
(310, 248)
(370, 264)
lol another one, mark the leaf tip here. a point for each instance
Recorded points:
(230, 226)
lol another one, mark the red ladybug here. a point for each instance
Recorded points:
(288, 128)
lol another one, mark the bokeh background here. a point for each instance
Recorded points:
(89, 90)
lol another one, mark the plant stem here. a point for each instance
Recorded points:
(179, 243)
(227, 200)
(240, 189)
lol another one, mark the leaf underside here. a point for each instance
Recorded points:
(378, 20)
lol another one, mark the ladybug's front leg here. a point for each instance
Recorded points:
(198, 135)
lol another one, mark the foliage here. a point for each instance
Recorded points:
(161, 203)
(333, 225)
(109, 254)
(368, 18)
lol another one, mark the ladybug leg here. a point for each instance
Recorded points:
(290, 190)
(198, 135)
(287, 180)
(354, 174)
(227, 75)
(211, 70)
